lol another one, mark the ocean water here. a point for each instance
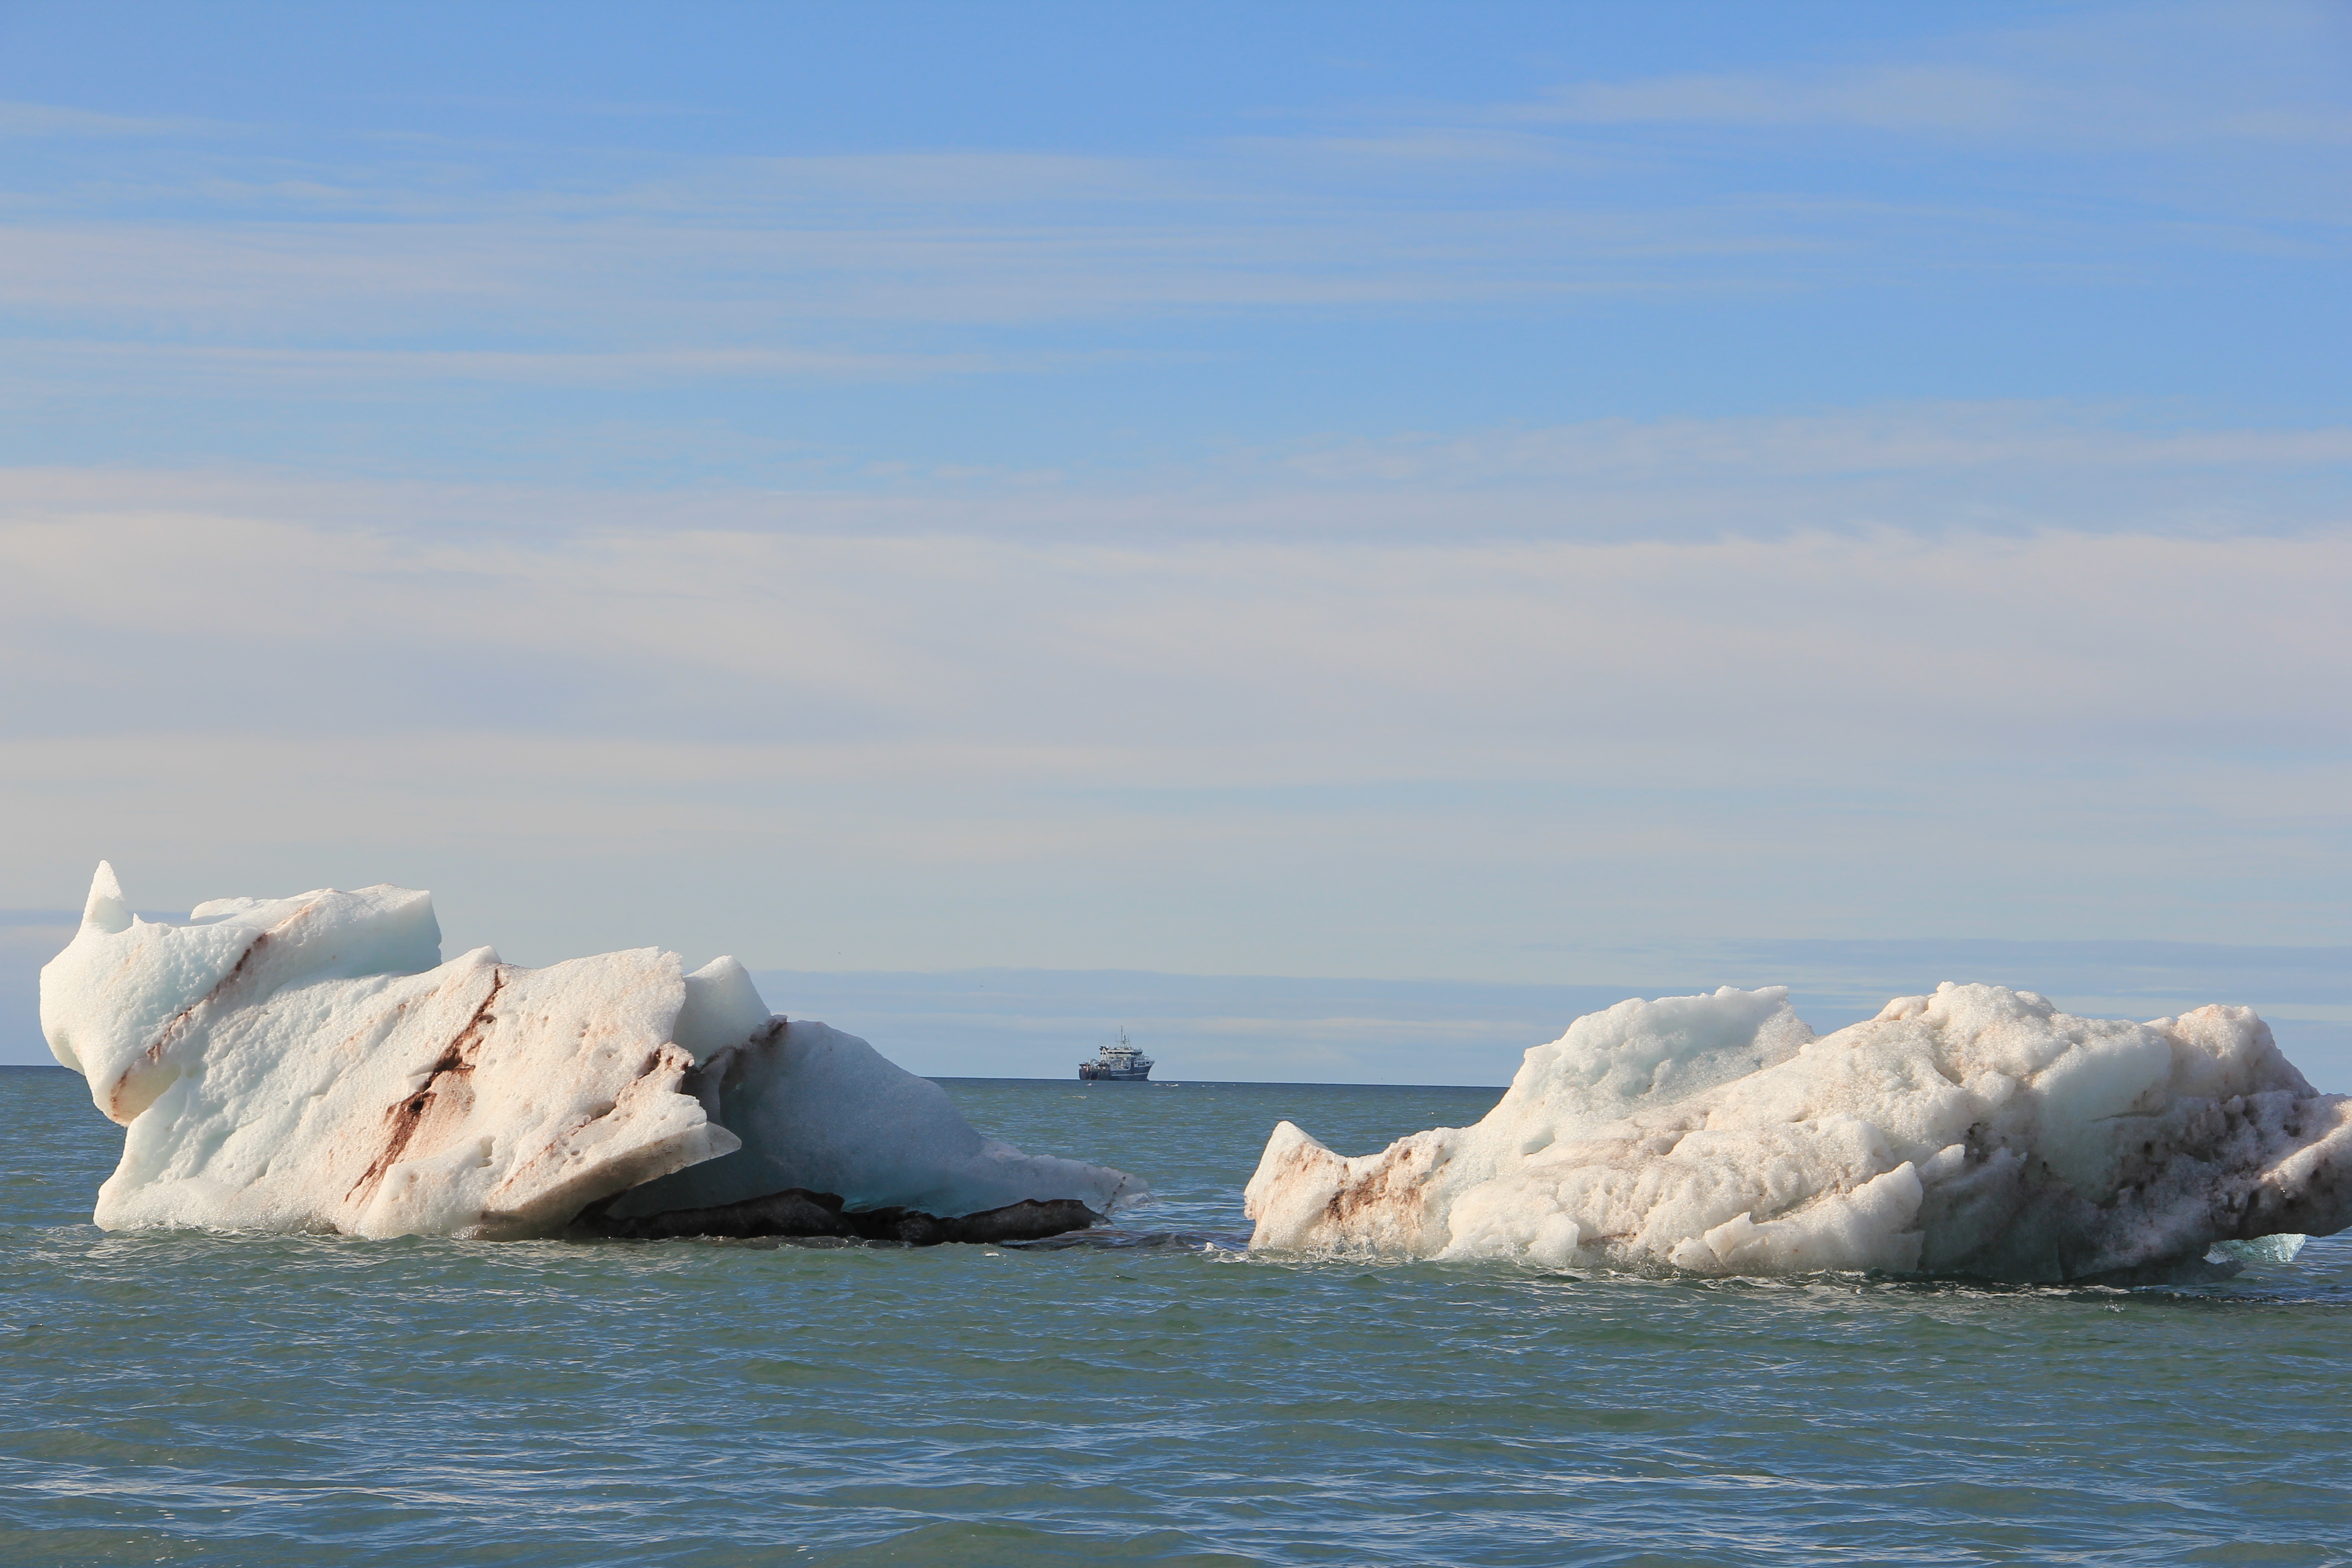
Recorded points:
(1149, 1395)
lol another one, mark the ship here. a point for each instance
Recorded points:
(1120, 1063)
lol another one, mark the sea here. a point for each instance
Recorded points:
(1150, 1392)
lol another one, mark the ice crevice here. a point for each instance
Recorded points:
(1976, 1131)
(311, 1064)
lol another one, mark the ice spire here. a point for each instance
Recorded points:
(105, 909)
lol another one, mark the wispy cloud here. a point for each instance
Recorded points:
(1917, 439)
(1883, 97)
(1928, 470)
(56, 121)
(390, 372)
(1940, 100)
(544, 104)
(680, 272)
(997, 643)
(1741, 734)
(2163, 76)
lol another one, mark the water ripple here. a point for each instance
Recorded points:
(1149, 1393)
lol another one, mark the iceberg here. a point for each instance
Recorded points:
(1977, 1131)
(311, 1064)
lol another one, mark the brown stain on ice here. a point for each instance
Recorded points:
(1393, 1184)
(177, 1024)
(447, 1075)
(556, 1167)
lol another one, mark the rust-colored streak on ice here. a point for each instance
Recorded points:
(1377, 1188)
(178, 1022)
(446, 1075)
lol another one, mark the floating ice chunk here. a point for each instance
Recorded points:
(825, 1112)
(2263, 1248)
(310, 1064)
(722, 1008)
(1974, 1130)
(477, 1099)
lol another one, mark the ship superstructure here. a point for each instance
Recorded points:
(1119, 1063)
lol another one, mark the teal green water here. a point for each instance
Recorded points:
(1153, 1395)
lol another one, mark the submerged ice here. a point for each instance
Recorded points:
(309, 1063)
(1977, 1130)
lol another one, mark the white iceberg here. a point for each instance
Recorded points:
(311, 1064)
(1977, 1131)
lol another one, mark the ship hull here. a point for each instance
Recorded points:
(1113, 1075)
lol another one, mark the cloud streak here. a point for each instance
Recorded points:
(2149, 77)
(968, 749)
(57, 121)
(2013, 468)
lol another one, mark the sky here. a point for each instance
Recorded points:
(1545, 498)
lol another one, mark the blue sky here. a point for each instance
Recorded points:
(1440, 493)
(840, 244)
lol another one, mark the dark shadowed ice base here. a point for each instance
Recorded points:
(797, 1212)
